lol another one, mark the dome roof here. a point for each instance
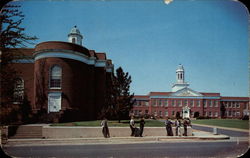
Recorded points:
(180, 67)
(75, 30)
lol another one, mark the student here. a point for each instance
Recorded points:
(177, 127)
(105, 128)
(168, 125)
(142, 122)
(132, 126)
(185, 124)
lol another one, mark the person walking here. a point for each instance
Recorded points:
(105, 128)
(142, 122)
(168, 125)
(132, 126)
(177, 127)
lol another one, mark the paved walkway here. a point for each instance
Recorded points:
(197, 136)
(227, 128)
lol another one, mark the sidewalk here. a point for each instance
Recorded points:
(227, 128)
(197, 136)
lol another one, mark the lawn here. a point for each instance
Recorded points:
(231, 123)
(112, 123)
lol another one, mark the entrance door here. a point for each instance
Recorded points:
(54, 102)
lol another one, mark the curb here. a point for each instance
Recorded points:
(113, 140)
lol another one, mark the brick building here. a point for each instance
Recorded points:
(64, 79)
(171, 104)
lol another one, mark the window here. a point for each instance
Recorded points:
(179, 103)
(191, 103)
(173, 113)
(233, 104)
(146, 111)
(216, 114)
(160, 103)
(154, 102)
(166, 113)
(198, 103)
(173, 103)
(146, 103)
(216, 103)
(237, 105)
(160, 113)
(155, 113)
(55, 77)
(185, 102)
(210, 114)
(166, 103)
(18, 90)
(209, 103)
(205, 103)
(73, 40)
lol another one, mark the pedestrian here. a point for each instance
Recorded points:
(178, 127)
(105, 128)
(185, 124)
(168, 124)
(142, 122)
(132, 126)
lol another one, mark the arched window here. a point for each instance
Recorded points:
(73, 40)
(55, 76)
(18, 90)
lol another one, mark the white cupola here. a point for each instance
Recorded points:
(180, 74)
(75, 36)
(180, 79)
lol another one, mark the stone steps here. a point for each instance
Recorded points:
(24, 132)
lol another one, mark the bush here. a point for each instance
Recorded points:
(203, 117)
(245, 117)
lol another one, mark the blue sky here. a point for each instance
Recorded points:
(149, 39)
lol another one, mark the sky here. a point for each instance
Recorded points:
(149, 39)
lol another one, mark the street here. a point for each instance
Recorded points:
(161, 149)
(230, 133)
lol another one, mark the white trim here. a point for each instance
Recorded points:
(57, 53)
(188, 97)
(23, 61)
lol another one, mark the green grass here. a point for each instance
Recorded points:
(112, 123)
(230, 123)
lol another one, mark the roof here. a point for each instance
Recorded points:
(75, 30)
(210, 94)
(235, 98)
(50, 45)
(159, 93)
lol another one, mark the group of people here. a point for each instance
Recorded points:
(138, 132)
(168, 123)
(134, 130)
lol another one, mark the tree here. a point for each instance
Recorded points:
(12, 36)
(118, 100)
(123, 99)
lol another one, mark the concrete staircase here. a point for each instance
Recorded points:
(28, 131)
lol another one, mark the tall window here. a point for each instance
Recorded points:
(198, 103)
(18, 90)
(166, 103)
(73, 40)
(55, 77)
(191, 103)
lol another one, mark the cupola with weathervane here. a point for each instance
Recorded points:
(180, 79)
(75, 36)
